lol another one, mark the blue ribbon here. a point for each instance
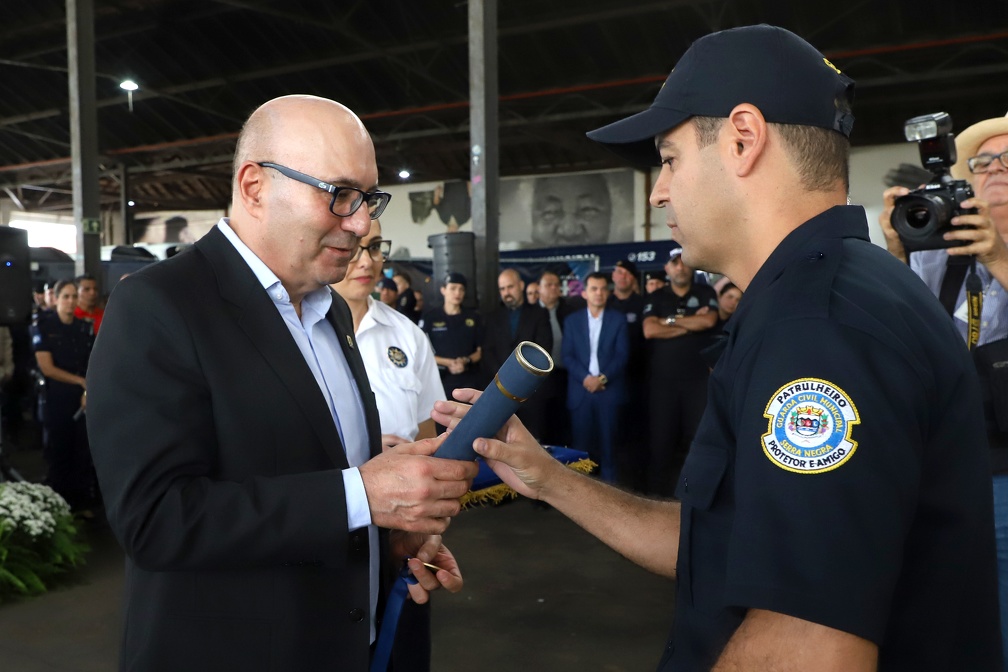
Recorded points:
(393, 608)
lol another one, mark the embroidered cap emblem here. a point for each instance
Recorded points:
(397, 356)
(809, 428)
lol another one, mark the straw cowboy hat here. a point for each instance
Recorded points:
(969, 141)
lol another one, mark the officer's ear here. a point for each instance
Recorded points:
(744, 139)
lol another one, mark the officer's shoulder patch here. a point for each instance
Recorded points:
(397, 356)
(470, 322)
(809, 426)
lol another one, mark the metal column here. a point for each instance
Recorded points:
(125, 237)
(483, 139)
(84, 134)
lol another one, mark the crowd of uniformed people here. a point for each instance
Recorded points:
(48, 360)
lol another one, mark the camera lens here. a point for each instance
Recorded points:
(921, 215)
(918, 216)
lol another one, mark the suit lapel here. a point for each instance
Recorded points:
(255, 314)
(342, 321)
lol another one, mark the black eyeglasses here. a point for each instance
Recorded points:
(378, 250)
(983, 162)
(345, 200)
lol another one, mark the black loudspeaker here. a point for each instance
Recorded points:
(15, 276)
(455, 253)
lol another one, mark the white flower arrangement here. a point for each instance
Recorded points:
(31, 507)
(38, 540)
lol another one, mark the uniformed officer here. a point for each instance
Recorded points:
(835, 508)
(632, 453)
(406, 303)
(678, 324)
(402, 373)
(456, 334)
(62, 345)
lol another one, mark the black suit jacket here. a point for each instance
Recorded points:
(220, 466)
(498, 343)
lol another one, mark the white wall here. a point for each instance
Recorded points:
(868, 166)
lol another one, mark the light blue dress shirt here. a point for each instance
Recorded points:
(319, 344)
(929, 265)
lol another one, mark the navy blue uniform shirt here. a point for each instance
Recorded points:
(680, 355)
(70, 347)
(839, 474)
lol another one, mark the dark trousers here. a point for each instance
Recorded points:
(675, 409)
(556, 428)
(68, 454)
(595, 426)
(633, 447)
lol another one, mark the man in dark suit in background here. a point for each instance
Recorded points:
(513, 322)
(553, 391)
(596, 348)
(236, 437)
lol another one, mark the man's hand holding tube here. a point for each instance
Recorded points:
(516, 457)
(409, 490)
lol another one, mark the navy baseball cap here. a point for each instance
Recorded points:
(388, 283)
(787, 78)
(627, 265)
(456, 278)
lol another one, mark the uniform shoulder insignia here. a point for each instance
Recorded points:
(809, 426)
(470, 322)
(397, 356)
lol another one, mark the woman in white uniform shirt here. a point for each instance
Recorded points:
(400, 365)
(397, 354)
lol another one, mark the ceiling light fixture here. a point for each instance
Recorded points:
(129, 86)
(404, 174)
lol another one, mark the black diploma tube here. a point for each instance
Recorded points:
(517, 379)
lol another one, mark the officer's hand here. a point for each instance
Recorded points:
(984, 240)
(514, 455)
(407, 489)
(892, 239)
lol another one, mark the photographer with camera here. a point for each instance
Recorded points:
(961, 255)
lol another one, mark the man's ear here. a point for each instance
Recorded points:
(745, 138)
(251, 184)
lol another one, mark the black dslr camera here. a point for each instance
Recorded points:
(924, 215)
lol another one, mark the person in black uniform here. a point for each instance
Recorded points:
(632, 452)
(835, 508)
(406, 303)
(678, 323)
(62, 345)
(455, 334)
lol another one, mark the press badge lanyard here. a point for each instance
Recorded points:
(955, 271)
(974, 301)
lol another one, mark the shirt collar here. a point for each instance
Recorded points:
(835, 224)
(377, 313)
(318, 300)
